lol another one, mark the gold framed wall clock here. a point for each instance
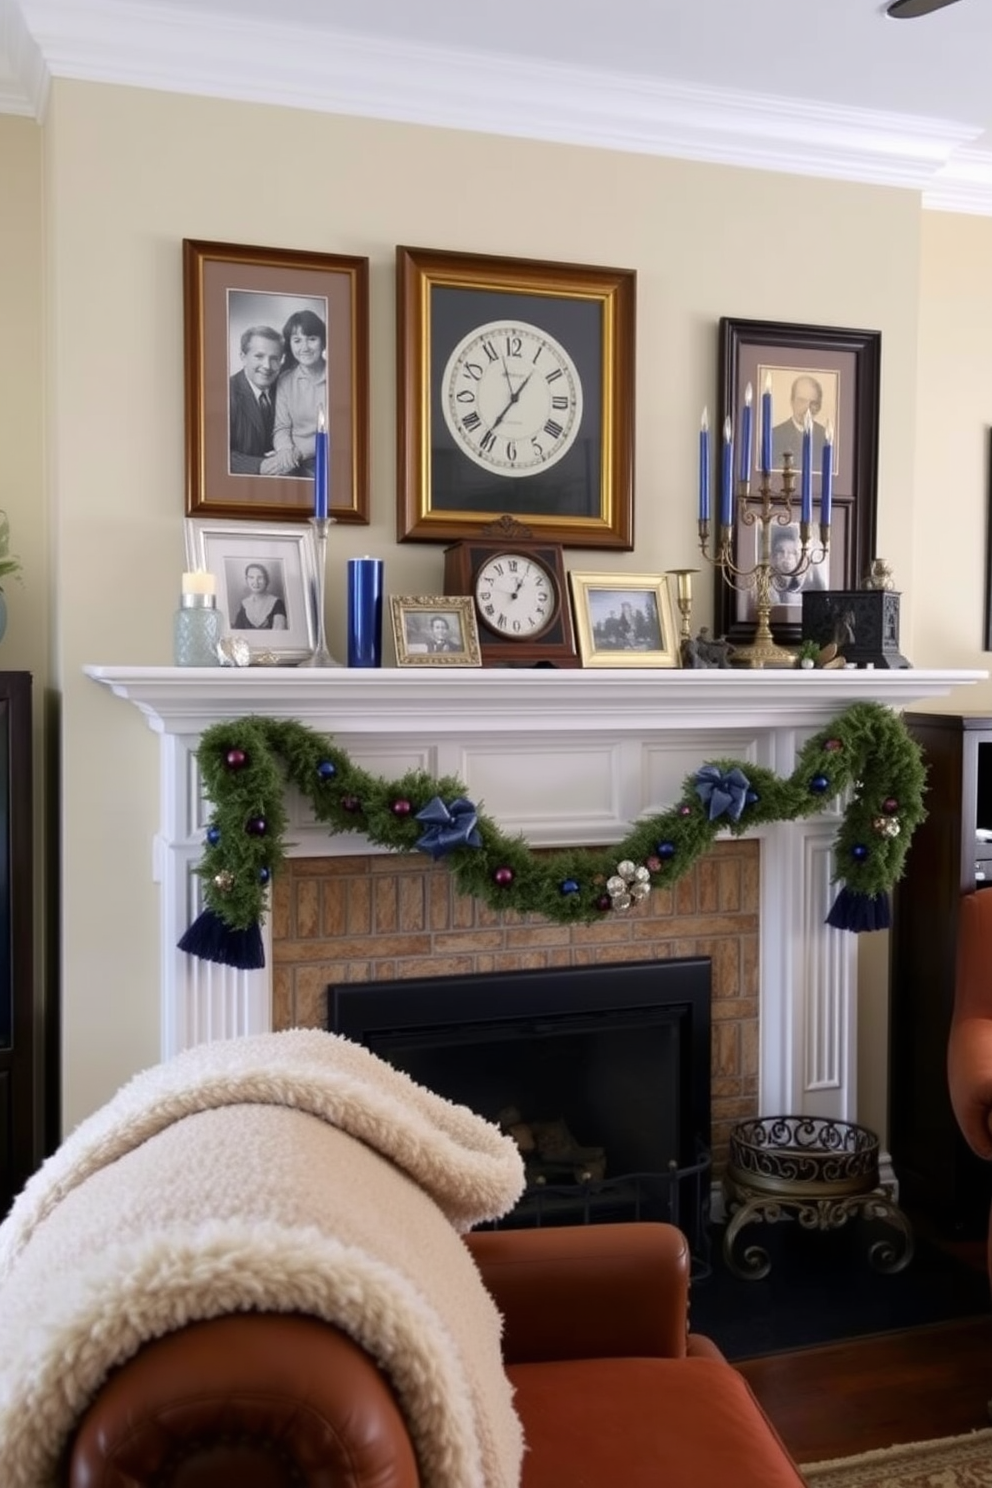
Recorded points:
(517, 586)
(516, 389)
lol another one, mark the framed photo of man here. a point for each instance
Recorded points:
(833, 375)
(276, 346)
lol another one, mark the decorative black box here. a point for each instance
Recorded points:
(863, 622)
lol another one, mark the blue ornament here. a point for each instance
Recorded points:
(570, 886)
(859, 852)
(819, 784)
(752, 798)
(264, 875)
(213, 835)
(327, 769)
(666, 849)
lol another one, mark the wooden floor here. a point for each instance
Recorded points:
(852, 1397)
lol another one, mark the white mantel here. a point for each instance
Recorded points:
(562, 757)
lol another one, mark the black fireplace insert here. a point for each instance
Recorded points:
(601, 1073)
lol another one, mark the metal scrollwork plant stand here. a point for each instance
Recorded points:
(819, 1172)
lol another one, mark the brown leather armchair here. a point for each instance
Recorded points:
(610, 1386)
(969, 1052)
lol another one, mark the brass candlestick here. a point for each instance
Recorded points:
(683, 593)
(776, 508)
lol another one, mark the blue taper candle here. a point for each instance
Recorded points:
(727, 475)
(704, 467)
(747, 435)
(827, 474)
(320, 467)
(766, 425)
(364, 612)
(806, 478)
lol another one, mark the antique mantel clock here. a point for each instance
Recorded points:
(517, 584)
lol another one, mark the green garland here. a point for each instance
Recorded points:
(246, 763)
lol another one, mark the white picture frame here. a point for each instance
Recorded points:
(286, 554)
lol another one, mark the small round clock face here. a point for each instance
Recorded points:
(515, 596)
(512, 398)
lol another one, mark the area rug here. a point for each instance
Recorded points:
(950, 1462)
(254, 1174)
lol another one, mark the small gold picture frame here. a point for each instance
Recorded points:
(624, 620)
(434, 630)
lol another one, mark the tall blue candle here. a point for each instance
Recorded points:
(806, 479)
(827, 474)
(364, 612)
(704, 467)
(727, 475)
(320, 467)
(747, 435)
(766, 425)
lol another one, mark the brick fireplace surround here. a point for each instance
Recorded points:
(566, 757)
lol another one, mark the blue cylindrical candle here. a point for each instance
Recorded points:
(321, 440)
(364, 612)
(766, 430)
(727, 475)
(827, 482)
(747, 436)
(806, 479)
(704, 468)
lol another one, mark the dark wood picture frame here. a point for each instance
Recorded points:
(227, 289)
(846, 364)
(583, 496)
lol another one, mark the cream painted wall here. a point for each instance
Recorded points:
(131, 173)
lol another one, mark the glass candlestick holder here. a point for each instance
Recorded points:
(197, 629)
(321, 656)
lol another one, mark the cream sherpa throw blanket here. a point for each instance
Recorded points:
(290, 1172)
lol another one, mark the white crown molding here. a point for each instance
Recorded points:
(24, 75)
(159, 48)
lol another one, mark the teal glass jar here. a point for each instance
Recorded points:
(198, 628)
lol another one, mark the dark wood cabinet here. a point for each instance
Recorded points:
(20, 1074)
(938, 1174)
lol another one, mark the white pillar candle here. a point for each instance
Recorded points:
(199, 582)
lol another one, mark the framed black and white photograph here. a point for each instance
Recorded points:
(434, 630)
(266, 580)
(792, 574)
(833, 374)
(624, 620)
(276, 340)
(515, 398)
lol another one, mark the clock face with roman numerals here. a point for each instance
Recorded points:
(512, 398)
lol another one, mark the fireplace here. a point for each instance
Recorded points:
(601, 1073)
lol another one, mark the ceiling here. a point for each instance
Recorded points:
(821, 87)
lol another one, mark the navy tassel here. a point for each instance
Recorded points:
(210, 939)
(858, 912)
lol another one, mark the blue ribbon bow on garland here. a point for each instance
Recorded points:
(245, 764)
(448, 827)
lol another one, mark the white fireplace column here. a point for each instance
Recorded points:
(564, 757)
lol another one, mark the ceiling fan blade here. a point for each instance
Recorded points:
(904, 10)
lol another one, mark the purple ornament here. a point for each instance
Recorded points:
(350, 803)
(685, 810)
(235, 759)
(327, 769)
(503, 877)
(401, 807)
(652, 864)
(890, 805)
(604, 902)
(833, 744)
(256, 826)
